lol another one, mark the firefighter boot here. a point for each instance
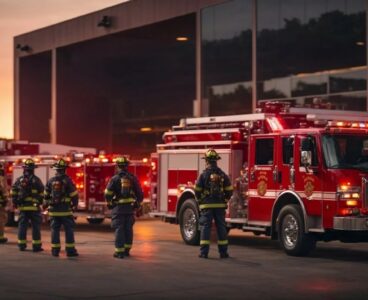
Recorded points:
(37, 249)
(72, 252)
(127, 252)
(203, 255)
(55, 252)
(224, 255)
(119, 255)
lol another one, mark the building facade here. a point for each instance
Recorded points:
(118, 78)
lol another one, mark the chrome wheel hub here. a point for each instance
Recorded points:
(290, 231)
(189, 223)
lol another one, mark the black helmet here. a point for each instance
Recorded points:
(122, 161)
(29, 164)
(211, 155)
(61, 164)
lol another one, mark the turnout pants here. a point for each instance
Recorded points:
(207, 215)
(3, 220)
(24, 218)
(123, 225)
(68, 223)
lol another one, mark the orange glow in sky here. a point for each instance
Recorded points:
(18, 17)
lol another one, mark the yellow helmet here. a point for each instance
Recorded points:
(122, 161)
(60, 164)
(29, 164)
(211, 155)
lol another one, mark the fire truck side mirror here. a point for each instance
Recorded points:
(306, 158)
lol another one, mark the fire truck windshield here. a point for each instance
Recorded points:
(345, 151)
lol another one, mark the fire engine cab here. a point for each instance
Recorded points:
(300, 175)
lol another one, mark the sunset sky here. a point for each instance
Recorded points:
(21, 16)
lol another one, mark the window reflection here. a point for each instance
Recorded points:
(315, 47)
(226, 57)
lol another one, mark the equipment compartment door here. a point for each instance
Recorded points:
(263, 178)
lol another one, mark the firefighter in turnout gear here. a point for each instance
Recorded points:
(3, 202)
(61, 197)
(213, 189)
(27, 194)
(123, 195)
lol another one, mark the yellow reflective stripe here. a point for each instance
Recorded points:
(204, 242)
(22, 242)
(108, 192)
(73, 194)
(127, 200)
(28, 199)
(69, 245)
(28, 208)
(223, 242)
(67, 200)
(213, 205)
(12, 192)
(60, 214)
(34, 191)
(127, 246)
(46, 193)
(55, 245)
(119, 250)
(36, 242)
(228, 188)
(198, 188)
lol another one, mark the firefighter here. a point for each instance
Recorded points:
(213, 189)
(3, 202)
(61, 197)
(27, 192)
(123, 195)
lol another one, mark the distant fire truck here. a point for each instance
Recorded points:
(90, 172)
(301, 175)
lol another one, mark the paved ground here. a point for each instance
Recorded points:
(162, 267)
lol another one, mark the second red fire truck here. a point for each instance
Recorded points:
(301, 175)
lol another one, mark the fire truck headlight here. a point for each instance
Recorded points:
(349, 193)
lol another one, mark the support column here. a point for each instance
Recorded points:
(254, 55)
(53, 120)
(16, 124)
(200, 106)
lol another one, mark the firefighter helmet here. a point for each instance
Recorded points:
(29, 164)
(122, 161)
(211, 155)
(60, 164)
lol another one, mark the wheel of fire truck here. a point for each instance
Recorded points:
(92, 220)
(292, 236)
(188, 220)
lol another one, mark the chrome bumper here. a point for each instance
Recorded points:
(351, 223)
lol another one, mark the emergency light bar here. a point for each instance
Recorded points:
(222, 119)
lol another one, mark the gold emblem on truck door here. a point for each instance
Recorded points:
(261, 188)
(308, 186)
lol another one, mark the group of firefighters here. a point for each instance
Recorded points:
(123, 196)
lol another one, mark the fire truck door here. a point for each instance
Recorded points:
(263, 178)
(286, 163)
(308, 178)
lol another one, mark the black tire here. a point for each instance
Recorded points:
(95, 221)
(189, 222)
(291, 229)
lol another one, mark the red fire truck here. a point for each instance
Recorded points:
(90, 172)
(301, 175)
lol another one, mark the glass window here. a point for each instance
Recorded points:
(288, 150)
(264, 151)
(306, 45)
(348, 81)
(227, 57)
(309, 144)
(345, 151)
